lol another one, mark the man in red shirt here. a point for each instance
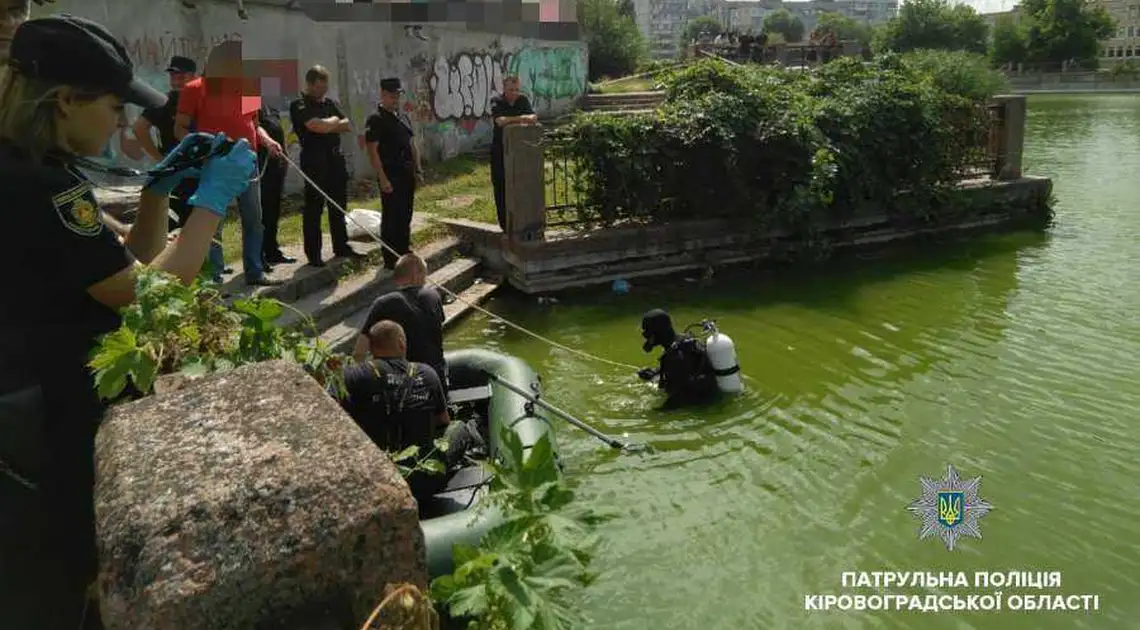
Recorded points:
(217, 103)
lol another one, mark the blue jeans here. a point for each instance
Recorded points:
(252, 234)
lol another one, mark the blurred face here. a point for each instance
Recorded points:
(178, 80)
(13, 13)
(86, 124)
(318, 89)
(389, 100)
(510, 91)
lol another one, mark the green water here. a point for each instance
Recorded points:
(1016, 358)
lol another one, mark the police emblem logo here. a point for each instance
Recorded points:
(77, 211)
(950, 508)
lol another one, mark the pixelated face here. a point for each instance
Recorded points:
(178, 80)
(319, 88)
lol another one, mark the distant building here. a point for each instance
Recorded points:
(1125, 45)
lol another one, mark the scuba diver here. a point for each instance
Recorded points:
(684, 371)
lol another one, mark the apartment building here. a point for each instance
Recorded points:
(1125, 44)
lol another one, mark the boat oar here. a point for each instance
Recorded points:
(614, 442)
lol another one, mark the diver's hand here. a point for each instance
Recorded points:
(646, 374)
(163, 185)
(225, 177)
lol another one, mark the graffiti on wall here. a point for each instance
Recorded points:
(462, 87)
(550, 74)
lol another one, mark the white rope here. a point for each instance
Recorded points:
(379, 241)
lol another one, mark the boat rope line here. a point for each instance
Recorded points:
(472, 305)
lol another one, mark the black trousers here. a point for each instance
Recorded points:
(329, 172)
(396, 214)
(272, 187)
(498, 176)
(47, 533)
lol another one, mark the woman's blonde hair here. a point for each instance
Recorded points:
(29, 111)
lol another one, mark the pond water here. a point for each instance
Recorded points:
(1016, 358)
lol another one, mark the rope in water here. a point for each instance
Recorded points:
(522, 329)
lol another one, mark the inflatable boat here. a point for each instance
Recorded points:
(480, 392)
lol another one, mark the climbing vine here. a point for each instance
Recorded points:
(786, 150)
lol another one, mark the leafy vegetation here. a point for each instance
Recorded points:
(522, 574)
(616, 45)
(842, 28)
(173, 328)
(1053, 31)
(786, 24)
(788, 150)
(933, 24)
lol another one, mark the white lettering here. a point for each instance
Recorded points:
(1053, 580)
(845, 602)
(990, 602)
(981, 579)
(811, 602)
(848, 579)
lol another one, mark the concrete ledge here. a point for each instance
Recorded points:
(585, 259)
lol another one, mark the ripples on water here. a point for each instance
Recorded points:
(1017, 359)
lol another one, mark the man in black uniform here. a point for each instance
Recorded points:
(397, 402)
(684, 372)
(396, 160)
(181, 71)
(417, 309)
(272, 169)
(511, 108)
(319, 121)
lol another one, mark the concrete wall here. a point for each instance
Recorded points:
(450, 78)
(1072, 82)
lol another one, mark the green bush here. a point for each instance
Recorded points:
(783, 149)
(958, 72)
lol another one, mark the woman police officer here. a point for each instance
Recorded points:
(66, 276)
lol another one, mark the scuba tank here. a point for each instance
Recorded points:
(722, 356)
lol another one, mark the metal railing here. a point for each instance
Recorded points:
(982, 154)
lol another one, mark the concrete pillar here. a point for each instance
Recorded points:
(525, 199)
(1012, 138)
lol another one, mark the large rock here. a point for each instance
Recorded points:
(247, 500)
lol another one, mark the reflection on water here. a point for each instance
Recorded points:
(1015, 358)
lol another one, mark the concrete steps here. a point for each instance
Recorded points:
(622, 102)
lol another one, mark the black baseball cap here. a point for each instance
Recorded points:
(79, 52)
(391, 85)
(181, 64)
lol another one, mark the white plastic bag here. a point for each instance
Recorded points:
(363, 225)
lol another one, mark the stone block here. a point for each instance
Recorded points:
(247, 500)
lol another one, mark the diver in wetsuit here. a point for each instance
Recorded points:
(683, 372)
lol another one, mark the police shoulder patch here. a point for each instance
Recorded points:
(77, 210)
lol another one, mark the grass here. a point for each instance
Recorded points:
(632, 85)
(459, 188)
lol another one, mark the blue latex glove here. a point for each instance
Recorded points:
(164, 185)
(224, 177)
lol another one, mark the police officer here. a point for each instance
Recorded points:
(684, 372)
(61, 101)
(319, 122)
(511, 108)
(181, 71)
(272, 169)
(396, 160)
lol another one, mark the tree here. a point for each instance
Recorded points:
(626, 9)
(706, 26)
(842, 28)
(1009, 43)
(616, 46)
(1065, 30)
(934, 24)
(783, 22)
